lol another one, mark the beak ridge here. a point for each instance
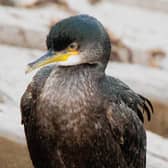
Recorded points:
(39, 62)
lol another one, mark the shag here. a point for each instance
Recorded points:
(74, 115)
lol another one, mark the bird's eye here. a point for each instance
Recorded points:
(73, 46)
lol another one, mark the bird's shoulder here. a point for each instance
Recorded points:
(32, 92)
(117, 92)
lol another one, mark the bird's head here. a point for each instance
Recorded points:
(76, 40)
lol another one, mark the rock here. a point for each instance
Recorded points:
(155, 57)
(13, 82)
(120, 51)
(157, 153)
(93, 2)
(132, 43)
(18, 28)
(136, 46)
(6, 2)
(37, 3)
(155, 5)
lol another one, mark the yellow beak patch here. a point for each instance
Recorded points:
(51, 57)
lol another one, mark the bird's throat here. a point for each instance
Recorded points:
(68, 96)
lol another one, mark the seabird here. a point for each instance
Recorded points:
(74, 115)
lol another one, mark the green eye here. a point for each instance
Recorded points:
(73, 46)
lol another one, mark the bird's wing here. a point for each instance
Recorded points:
(129, 133)
(139, 104)
(32, 92)
(125, 116)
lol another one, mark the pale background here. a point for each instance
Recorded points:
(139, 34)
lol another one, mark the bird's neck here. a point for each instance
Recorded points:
(71, 85)
(71, 95)
(82, 72)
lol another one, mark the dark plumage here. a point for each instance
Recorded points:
(77, 117)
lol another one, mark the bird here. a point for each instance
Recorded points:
(76, 116)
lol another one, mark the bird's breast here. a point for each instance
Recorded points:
(71, 108)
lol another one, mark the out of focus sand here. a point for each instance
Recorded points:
(13, 155)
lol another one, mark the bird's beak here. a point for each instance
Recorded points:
(50, 57)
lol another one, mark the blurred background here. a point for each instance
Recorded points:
(138, 31)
